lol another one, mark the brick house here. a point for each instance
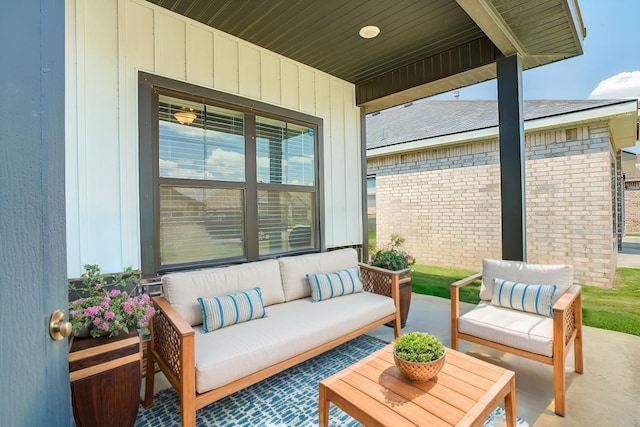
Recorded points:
(631, 171)
(434, 167)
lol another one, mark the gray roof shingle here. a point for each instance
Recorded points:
(429, 119)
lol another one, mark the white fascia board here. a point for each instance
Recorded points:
(563, 120)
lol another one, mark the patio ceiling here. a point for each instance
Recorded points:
(425, 47)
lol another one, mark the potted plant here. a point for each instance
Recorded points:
(394, 258)
(419, 355)
(104, 308)
(105, 361)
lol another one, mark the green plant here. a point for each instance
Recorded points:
(392, 257)
(105, 309)
(418, 347)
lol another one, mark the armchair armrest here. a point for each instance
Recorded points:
(455, 294)
(567, 318)
(455, 305)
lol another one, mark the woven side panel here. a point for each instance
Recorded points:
(569, 322)
(376, 283)
(167, 342)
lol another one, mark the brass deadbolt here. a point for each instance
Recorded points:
(58, 328)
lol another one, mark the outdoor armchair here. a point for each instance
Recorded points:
(528, 310)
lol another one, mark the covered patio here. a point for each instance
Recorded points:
(82, 169)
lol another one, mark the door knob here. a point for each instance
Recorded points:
(58, 328)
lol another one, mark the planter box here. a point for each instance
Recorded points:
(105, 380)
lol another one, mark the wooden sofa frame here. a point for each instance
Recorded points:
(172, 347)
(567, 330)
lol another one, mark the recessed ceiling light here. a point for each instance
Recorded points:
(369, 32)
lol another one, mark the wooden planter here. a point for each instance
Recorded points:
(105, 380)
(380, 278)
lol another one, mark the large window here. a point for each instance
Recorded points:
(228, 183)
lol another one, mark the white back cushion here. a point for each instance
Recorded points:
(294, 269)
(560, 275)
(182, 289)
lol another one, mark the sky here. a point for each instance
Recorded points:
(608, 69)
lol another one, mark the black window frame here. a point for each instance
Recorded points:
(150, 87)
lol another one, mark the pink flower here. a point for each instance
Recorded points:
(109, 315)
(127, 307)
(114, 293)
(104, 326)
(408, 257)
(91, 311)
(96, 321)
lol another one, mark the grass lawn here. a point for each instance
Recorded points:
(616, 309)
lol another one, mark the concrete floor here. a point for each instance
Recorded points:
(607, 394)
(629, 256)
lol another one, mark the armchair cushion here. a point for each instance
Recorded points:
(524, 297)
(518, 329)
(559, 274)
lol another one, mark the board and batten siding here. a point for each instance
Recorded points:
(107, 43)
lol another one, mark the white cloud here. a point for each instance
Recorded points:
(623, 85)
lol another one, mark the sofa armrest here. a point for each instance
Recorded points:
(385, 282)
(172, 346)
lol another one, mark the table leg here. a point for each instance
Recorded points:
(323, 407)
(510, 404)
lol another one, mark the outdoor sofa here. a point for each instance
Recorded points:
(530, 310)
(204, 367)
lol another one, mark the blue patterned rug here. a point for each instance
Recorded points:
(287, 399)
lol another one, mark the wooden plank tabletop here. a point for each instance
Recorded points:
(374, 392)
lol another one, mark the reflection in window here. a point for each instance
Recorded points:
(285, 152)
(285, 221)
(198, 224)
(210, 147)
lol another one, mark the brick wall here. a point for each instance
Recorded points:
(446, 202)
(632, 208)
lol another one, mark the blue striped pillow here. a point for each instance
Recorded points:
(331, 285)
(227, 310)
(521, 296)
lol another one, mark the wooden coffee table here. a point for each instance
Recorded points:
(374, 392)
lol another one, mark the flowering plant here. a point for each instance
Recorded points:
(392, 257)
(105, 309)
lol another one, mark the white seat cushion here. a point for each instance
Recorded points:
(527, 331)
(230, 353)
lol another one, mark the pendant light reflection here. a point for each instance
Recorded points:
(185, 117)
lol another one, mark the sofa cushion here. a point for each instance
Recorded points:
(182, 289)
(227, 310)
(552, 274)
(289, 329)
(294, 269)
(331, 285)
(527, 331)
